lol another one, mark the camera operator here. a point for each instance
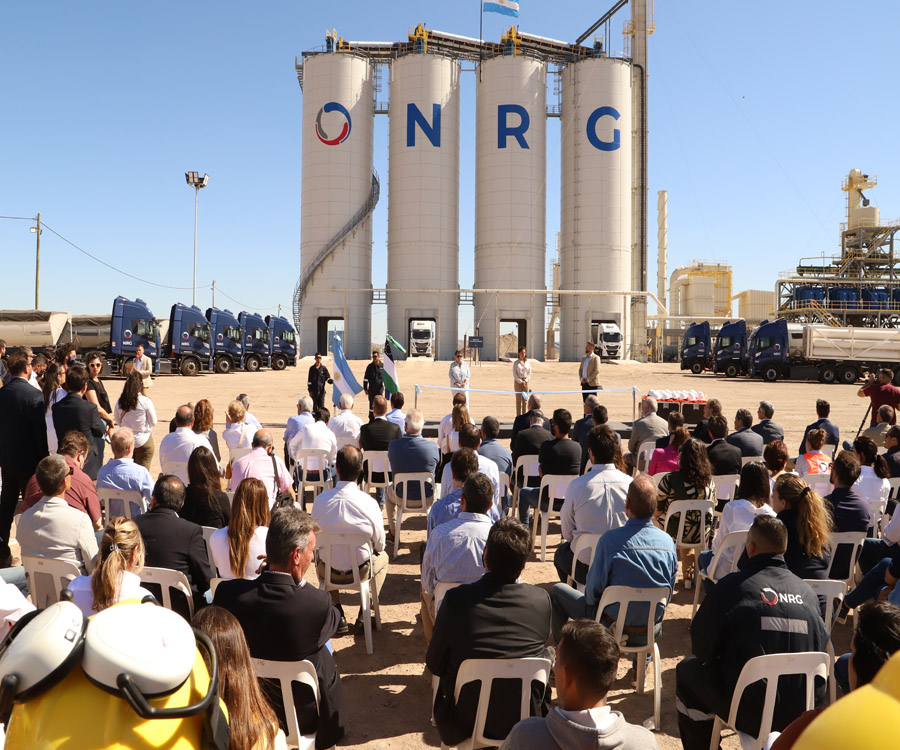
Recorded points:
(880, 389)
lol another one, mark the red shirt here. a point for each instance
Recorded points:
(82, 495)
(881, 395)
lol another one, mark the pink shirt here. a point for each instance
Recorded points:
(663, 460)
(257, 464)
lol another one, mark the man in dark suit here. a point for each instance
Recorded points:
(74, 412)
(724, 457)
(892, 443)
(769, 431)
(823, 409)
(172, 542)
(599, 416)
(376, 436)
(750, 443)
(493, 618)
(712, 408)
(528, 442)
(23, 442)
(523, 421)
(582, 428)
(286, 619)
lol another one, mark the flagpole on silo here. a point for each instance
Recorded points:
(480, 38)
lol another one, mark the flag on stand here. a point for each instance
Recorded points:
(389, 375)
(506, 7)
(344, 382)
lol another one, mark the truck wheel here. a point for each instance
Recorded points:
(696, 368)
(279, 362)
(827, 374)
(732, 371)
(189, 366)
(252, 364)
(224, 365)
(848, 375)
(770, 374)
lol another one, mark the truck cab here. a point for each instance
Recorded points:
(256, 341)
(187, 346)
(131, 323)
(778, 352)
(607, 339)
(730, 351)
(696, 348)
(282, 342)
(421, 338)
(227, 341)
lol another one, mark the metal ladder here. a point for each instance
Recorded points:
(349, 228)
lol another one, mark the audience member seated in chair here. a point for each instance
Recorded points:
(293, 426)
(456, 548)
(594, 502)
(665, 457)
(649, 428)
(761, 609)
(463, 465)
(712, 408)
(599, 417)
(750, 442)
(470, 437)
(775, 457)
(874, 471)
(559, 456)
(122, 472)
(286, 619)
(176, 447)
(833, 434)
(204, 502)
(377, 436)
(766, 428)
(523, 422)
(637, 554)
(814, 461)
(587, 657)
(237, 548)
(848, 508)
(345, 424)
(261, 463)
(317, 437)
(724, 458)
(346, 509)
(493, 618)
(491, 449)
(803, 512)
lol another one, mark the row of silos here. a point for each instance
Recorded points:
(510, 197)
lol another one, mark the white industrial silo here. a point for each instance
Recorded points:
(595, 241)
(423, 208)
(510, 199)
(336, 196)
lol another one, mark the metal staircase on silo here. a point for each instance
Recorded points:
(349, 228)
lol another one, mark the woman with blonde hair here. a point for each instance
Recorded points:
(814, 461)
(808, 522)
(203, 422)
(236, 549)
(115, 577)
(238, 434)
(252, 724)
(459, 417)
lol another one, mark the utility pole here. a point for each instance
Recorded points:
(279, 310)
(214, 293)
(37, 264)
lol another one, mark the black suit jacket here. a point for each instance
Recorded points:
(724, 457)
(522, 422)
(376, 436)
(582, 428)
(528, 442)
(23, 431)
(559, 456)
(76, 413)
(284, 622)
(832, 433)
(701, 431)
(486, 620)
(749, 442)
(768, 430)
(174, 543)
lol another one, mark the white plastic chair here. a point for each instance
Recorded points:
(644, 453)
(726, 486)
(834, 593)
(876, 514)
(309, 460)
(358, 548)
(131, 502)
(47, 577)
(286, 673)
(657, 478)
(504, 485)
(750, 459)
(556, 485)
(440, 591)
(405, 505)
(486, 671)
(584, 550)
(821, 483)
(681, 508)
(235, 453)
(176, 468)
(530, 467)
(167, 580)
(895, 487)
(207, 534)
(769, 668)
(623, 596)
(376, 462)
(841, 539)
(734, 541)
(345, 441)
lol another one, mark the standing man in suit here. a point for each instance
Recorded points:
(377, 436)
(769, 431)
(74, 412)
(23, 442)
(724, 457)
(286, 619)
(833, 434)
(316, 380)
(493, 618)
(373, 381)
(750, 442)
(144, 366)
(523, 421)
(172, 542)
(521, 379)
(590, 370)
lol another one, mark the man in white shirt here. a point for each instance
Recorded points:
(52, 528)
(348, 510)
(396, 414)
(594, 502)
(176, 447)
(459, 371)
(470, 437)
(345, 424)
(315, 437)
(248, 417)
(521, 379)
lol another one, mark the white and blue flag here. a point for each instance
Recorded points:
(344, 382)
(506, 7)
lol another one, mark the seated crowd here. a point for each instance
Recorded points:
(618, 507)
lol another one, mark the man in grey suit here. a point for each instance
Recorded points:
(650, 427)
(769, 431)
(750, 443)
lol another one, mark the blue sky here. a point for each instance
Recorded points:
(757, 112)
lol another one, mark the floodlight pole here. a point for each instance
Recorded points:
(196, 201)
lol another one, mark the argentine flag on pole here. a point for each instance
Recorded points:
(389, 375)
(506, 7)
(344, 382)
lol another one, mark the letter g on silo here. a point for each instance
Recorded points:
(592, 136)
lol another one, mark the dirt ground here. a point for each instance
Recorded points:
(389, 692)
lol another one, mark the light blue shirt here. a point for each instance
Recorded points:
(398, 418)
(125, 474)
(444, 510)
(294, 425)
(455, 551)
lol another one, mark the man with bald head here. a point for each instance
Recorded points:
(261, 463)
(176, 447)
(523, 421)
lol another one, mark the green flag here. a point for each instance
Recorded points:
(389, 375)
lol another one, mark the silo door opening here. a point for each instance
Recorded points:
(422, 337)
(326, 328)
(513, 333)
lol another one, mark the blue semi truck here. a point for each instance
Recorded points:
(696, 348)
(730, 353)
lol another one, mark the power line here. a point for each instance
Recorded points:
(242, 304)
(23, 218)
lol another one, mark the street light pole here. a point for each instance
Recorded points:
(195, 181)
(37, 264)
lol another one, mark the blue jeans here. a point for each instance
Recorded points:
(869, 586)
(568, 603)
(528, 499)
(842, 673)
(873, 552)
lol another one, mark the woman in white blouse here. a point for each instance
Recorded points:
(53, 392)
(874, 471)
(136, 412)
(752, 500)
(236, 549)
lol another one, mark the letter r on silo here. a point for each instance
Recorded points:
(504, 129)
